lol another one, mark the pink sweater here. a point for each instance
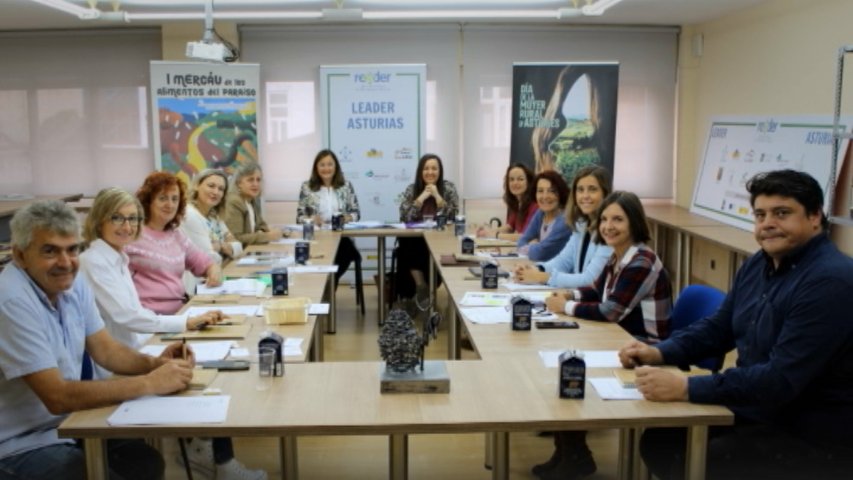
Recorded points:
(157, 263)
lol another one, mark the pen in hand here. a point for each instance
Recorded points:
(184, 348)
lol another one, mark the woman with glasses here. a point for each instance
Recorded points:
(161, 254)
(113, 223)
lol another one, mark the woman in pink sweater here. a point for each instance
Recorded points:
(162, 252)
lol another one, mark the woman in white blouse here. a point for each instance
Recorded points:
(113, 223)
(327, 192)
(203, 221)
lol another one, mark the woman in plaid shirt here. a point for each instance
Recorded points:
(633, 290)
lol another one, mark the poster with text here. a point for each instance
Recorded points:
(374, 120)
(739, 147)
(204, 116)
(564, 116)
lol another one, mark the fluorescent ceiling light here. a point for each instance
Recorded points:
(598, 7)
(249, 15)
(342, 14)
(457, 14)
(68, 7)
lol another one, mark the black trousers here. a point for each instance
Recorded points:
(412, 254)
(346, 254)
(753, 452)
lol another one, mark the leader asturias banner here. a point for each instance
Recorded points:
(374, 120)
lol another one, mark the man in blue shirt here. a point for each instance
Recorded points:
(48, 319)
(789, 317)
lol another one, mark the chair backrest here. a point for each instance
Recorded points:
(695, 303)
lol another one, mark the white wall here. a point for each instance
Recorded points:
(469, 93)
(773, 59)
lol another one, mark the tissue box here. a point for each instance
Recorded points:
(282, 311)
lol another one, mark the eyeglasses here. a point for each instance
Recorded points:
(118, 220)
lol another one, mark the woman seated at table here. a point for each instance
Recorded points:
(582, 259)
(428, 196)
(112, 224)
(520, 199)
(243, 208)
(633, 290)
(161, 254)
(325, 194)
(547, 232)
(204, 222)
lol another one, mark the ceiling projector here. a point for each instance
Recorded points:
(209, 52)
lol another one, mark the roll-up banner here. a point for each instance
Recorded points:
(204, 116)
(374, 120)
(564, 115)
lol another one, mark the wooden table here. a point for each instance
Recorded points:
(323, 249)
(688, 226)
(381, 234)
(508, 390)
(8, 207)
(344, 399)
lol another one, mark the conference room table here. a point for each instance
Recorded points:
(509, 389)
(664, 216)
(380, 234)
(492, 341)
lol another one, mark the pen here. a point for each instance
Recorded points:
(184, 348)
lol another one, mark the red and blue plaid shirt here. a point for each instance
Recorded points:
(634, 292)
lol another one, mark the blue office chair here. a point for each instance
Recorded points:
(694, 303)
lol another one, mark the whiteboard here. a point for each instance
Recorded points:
(738, 147)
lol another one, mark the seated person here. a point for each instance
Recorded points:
(157, 261)
(204, 222)
(430, 194)
(582, 259)
(161, 253)
(633, 290)
(243, 208)
(547, 232)
(788, 317)
(327, 192)
(113, 222)
(520, 200)
(48, 320)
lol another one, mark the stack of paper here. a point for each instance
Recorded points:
(249, 310)
(248, 287)
(171, 410)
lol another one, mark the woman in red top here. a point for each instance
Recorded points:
(520, 200)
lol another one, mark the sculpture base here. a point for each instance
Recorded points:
(433, 379)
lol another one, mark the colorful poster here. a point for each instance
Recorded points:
(374, 120)
(205, 115)
(740, 147)
(564, 115)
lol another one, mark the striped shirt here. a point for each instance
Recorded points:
(634, 292)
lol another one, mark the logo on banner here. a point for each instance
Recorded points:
(374, 153)
(371, 77)
(376, 176)
(404, 153)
